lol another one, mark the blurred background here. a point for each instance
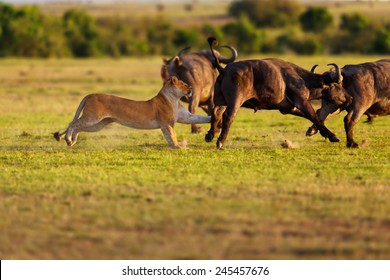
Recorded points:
(103, 28)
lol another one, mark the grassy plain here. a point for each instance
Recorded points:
(213, 12)
(123, 194)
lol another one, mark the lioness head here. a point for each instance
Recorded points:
(179, 87)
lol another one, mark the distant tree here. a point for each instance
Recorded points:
(243, 35)
(209, 30)
(160, 34)
(381, 43)
(81, 33)
(267, 13)
(299, 43)
(353, 23)
(115, 37)
(26, 32)
(316, 19)
(7, 15)
(348, 42)
(356, 35)
(186, 37)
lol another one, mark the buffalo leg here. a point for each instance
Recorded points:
(216, 122)
(310, 114)
(228, 117)
(325, 132)
(313, 129)
(350, 121)
(296, 112)
(370, 118)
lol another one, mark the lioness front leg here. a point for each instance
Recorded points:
(187, 117)
(170, 136)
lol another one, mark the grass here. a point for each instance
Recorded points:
(213, 12)
(123, 194)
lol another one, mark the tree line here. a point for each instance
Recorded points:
(278, 26)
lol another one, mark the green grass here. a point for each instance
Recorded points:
(123, 194)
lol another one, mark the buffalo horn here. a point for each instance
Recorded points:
(230, 59)
(314, 68)
(338, 78)
(183, 51)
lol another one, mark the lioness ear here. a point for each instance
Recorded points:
(174, 80)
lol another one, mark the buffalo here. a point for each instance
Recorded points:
(359, 89)
(197, 69)
(270, 84)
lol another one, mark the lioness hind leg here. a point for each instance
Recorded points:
(69, 136)
(72, 131)
(170, 136)
(81, 126)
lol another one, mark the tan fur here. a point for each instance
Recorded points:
(162, 111)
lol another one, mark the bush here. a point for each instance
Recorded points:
(186, 37)
(207, 31)
(7, 15)
(316, 19)
(353, 23)
(121, 38)
(267, 13)
(160, 34)
(25, 31)
(80, 33)
(299, 44)
(381, 42)
(243, 35)
(356, 35)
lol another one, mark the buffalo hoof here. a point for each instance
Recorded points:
(209, 137)
(352, 144)
(57, 136)
(311, 131)
(369, 120)
(219, 145)
(333, 138)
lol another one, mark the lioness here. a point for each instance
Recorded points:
(162, 111)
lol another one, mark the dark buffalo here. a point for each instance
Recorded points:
(270, 84)
(361, 89)
(198, 70)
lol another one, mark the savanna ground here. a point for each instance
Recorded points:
(198, 12)
(123, 194)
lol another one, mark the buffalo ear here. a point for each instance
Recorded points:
(174, 80)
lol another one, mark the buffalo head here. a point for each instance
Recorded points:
(172, 66)
(334, 96)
